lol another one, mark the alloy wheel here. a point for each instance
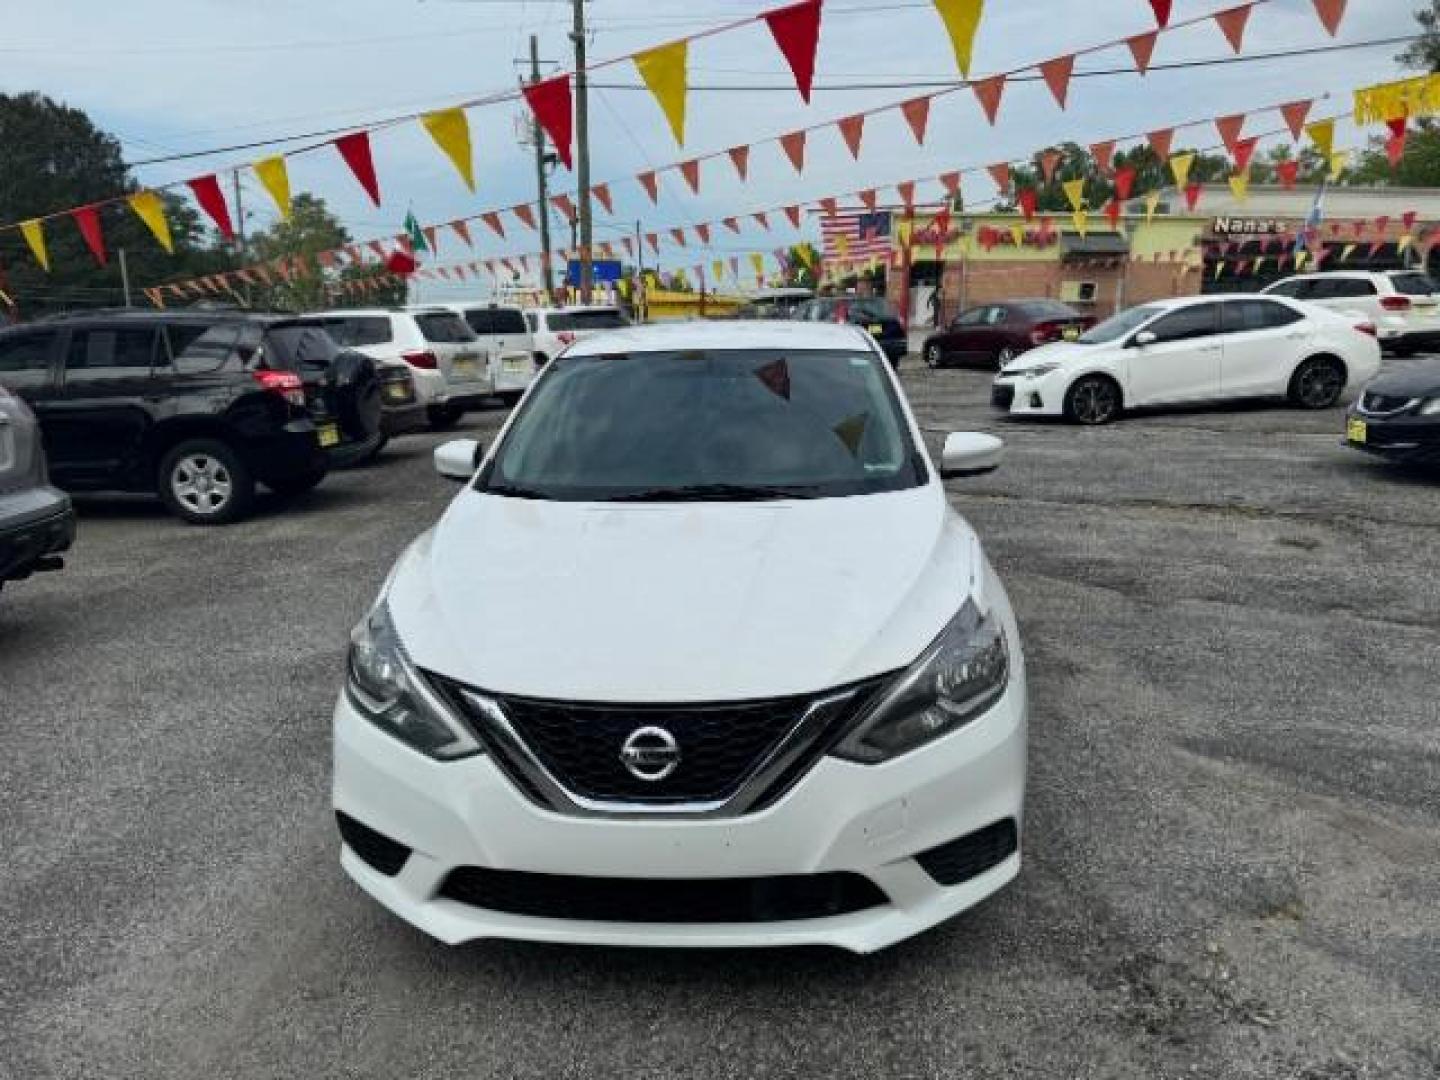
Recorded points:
(1320, 385)
(201, 483)
(1094, 401)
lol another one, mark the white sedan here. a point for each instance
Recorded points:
(1194, 349)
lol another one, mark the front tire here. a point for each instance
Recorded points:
(1317, 383)
(1093, 400)
(205, 482)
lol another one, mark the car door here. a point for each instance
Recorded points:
(27, 367)
(964, 340)
(1182, 363)
(103, 410)
(1262, 341)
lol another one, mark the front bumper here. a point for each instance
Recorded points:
(841, 818)
(1028, 397)
(34, 523)
(1397, 334)
(1403, 438)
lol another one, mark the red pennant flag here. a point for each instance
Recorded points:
(868, 198)
(988, 93)
(602, 196)
(1049, 162)
(1330, 13)
(653, 239)
(906, 191)
(1162, 12)
(917, 114)
(212, 200)
(492, 219)
(1295, 114)
(951, 182)
(1112, 212)
(355, 149)
(628, 245)
(1229, 128)
(740, 158)
(678, 235)
(1375, 248)
(1382, 223)
(1407, 219)
(1057, 74)
(1242, 152)
(1142, 48)
(1103, 153)
(525, 214)
(703, 231)
(794, 147)
(797, 31)
(1232, 24)
(731, 224)
(1396, 125)
(1359, 227)
(564, 204)
(431, 240)
(691, 171)
(550, 102)
(1395, 149)
(1160, 142)
(462, 230)
(87, 219)
(1335, 228)
(1000, 173)
(1287, 172)
(851, 130)
(651, 183)
(1124, 180)
(829, 206)
(1028, 202)
(1192, 195)
(762, 219)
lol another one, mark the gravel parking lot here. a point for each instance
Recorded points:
(1233, 626)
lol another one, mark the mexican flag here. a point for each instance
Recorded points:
(416, 234)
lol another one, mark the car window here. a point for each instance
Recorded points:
(1340, 288)
(810, 422)
(598, 319)
(25, 352)
(996, 315)
(1117, 326)
(196, 348)
(125, 350)
(1413, 283)
(972, 317)
(299, 347)
(358, 330)
(1047, 309)
(1195, 321)
(444, 327)
(480, 320)
(1295, 288)
(1238, 316)
(495, 321)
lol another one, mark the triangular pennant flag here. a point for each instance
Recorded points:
(1346, 252)
(150, 209)
(793, 213)
(34, 233)
(1180, 167)
(1160, 141)
(1229, 128)
(1192, 195)
(794, 146)
(1103, 153)
(653, 239)
(1330, 13)
(852, 128)
(868, 198)
(663, 71)
(906, 190)
(740, 158)
(212, 200)
(962, 19)
(565, 205)
(1403, 243)
(1382, 223)
(432, 239)
(1017, 234)
(1049, 162)
(1082, 222)
(1243, 151)
(1000, 173)
(651, 183)
(1112, 214)
(1124, 181)
(493, 222)
(355, 149)
(1152, 203)
(717, 269)
(1057, 74)
(1322, 134)
(462, 230)
(988, 93)
(1162, 12)
(526, 215)
(734, 266)
(758, 262)
(951, 182)
(1407, 220)
(703, 232)
(1232, 24)
(829, 206)
(1287, 172)
(917, 115)
(1142, 48)
(1395, 149)
(451, 132)
(1240, 185)
(1074, 192)
(690, 170)
(1396, 124)
(762, 220)
(731, 224)
(1294, 115)
(1339, 161)
(601, 192)
(87, 219)
(1027, 201)
(678, 235)
(550, 101)
(275, 178)
(796, 30)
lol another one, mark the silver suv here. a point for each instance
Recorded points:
(37, 522)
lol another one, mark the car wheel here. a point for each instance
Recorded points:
(934, 358)
(1317, 383)
(205, 482)
(443, 416)
(298, 484)
(1093, 400)
(1004, 356)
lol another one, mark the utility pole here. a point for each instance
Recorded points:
(240, 224)
(540, 181)
(582, 149)
(125, 278)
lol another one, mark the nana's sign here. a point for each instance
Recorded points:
(1246, 226)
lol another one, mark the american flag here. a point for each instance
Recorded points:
(865, 234)
(1309, 235)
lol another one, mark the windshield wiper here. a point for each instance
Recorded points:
(716, 493)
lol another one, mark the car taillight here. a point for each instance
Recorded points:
(565, 337)
(1044, 332)
(285, 383)
(1367, 328)
(426, 361)
(1395, 303)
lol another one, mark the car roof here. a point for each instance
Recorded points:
(575, 307)
(463, 305)
(369, 313)
(717, 334)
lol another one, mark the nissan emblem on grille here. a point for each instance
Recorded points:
(650, 753)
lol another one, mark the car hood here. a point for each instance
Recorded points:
(1055, 352)
(1414, 380)
(691, 602)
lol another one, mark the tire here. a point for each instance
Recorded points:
(1317, 383)
(1093, 400)
(444, 416)
(298, 484)
(510, 398)
(934, 358)
(1004, 356)
(355, 391)
(205, 482)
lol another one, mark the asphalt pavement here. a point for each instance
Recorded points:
(1232, 849)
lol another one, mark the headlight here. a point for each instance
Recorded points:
(383, 684)
(1038, 370)
(958, 677)
(1429, 406)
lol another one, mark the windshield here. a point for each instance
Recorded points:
(1117, 326)
(1048, 309)
(732, 424)
(444, 328)
(1412, 284)
(607, 319)
(864, 308)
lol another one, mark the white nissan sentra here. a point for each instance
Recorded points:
(699, 656)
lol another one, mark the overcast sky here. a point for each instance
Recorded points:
(169, 76)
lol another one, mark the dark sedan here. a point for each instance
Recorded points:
(1397, 416)
(872, 312)
(992, 335)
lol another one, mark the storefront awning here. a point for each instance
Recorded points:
(1072, 245)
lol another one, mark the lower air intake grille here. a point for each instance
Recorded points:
(376, 850)
(657, 900)
(971, 855)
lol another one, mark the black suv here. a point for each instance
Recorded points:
(184, 404)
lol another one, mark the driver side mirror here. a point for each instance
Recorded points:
(970, 453)
(459, 458)
(1143, 338)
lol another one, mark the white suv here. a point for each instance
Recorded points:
(506, 337)
(449, 365)
(555, 329)
(1401, 303)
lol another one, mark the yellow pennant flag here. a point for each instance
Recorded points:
(1017, 233)
(1346, 252)
(1152, 202)
(717, 269)
(1180, 166)
(1300, 258)
(276, 178)
(903, 233)
(34, 233)
(451, 132)
(1322, 134)
(1339, 161)
(663, 71)
(758, 262)
(1075, 192)
(962, 19)
(1219, 268)
(1240, 186)
(150, 209)
(1259, 262)
(1082, 221)
(1403, 243)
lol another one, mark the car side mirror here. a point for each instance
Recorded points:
(970, 453)
(459, 458)
(1143, 338)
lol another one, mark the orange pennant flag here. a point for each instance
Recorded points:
(793, 213)
(740, 158)
(602, 196)
(651, 183)
(1229, 128)
(1160, 141)
(1057, 74)
(1232, 24)
(1330, 13)
(852, 128)
(1000, 173)
(794, 146)
(1295, 114)
(1142, 48)
(988, 93)
(917, 113)
(691, 171)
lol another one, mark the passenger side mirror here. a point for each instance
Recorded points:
(1143, 338)
(459, 458)
(970, 453)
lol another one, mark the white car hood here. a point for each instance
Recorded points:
(1053, 353)
(696, 602)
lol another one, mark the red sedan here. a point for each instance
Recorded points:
(994, 334)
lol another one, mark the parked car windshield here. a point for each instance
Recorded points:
(1117, 326)
(603, 319)
(444, 328)
(861, 308)
(1412, 284)
(356, 330)
(722, 425)
(1048, 309)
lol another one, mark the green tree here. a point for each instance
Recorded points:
(1423, 53)
(801, 263)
